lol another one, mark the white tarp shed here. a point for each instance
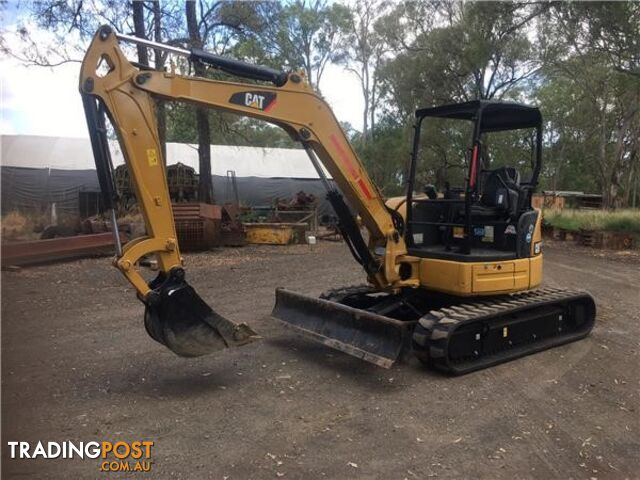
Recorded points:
(36, 172)
(75, 154)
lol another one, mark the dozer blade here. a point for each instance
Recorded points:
(371, 337)
(178, 318)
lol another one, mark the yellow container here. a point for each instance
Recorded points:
(269, 233)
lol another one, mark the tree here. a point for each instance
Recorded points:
(610, 28)
(385, 155)
(468, 50)
(299, 34)
(593, 107)
(82, 19)
(577, 60)
(452, 52)
(66, 22)
(140, 26)
(205, 184)
(215, 28)
(365, 48)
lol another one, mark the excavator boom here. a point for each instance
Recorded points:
(113, 87)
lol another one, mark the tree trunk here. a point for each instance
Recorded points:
(372, 108)
(205, 183)
(365, 119)
(635, 189)
(309, 69)
(161, 112)
(626, 199)
(602, 159)
(365, 94)
(138, 27)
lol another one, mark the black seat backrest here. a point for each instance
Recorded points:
(501, 188)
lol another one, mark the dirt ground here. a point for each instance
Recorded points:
(78, 365)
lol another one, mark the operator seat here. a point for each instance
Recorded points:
(500, 192)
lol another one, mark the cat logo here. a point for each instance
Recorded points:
(253, 100)
(258, 100)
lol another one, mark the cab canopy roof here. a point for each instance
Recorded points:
(496, 116)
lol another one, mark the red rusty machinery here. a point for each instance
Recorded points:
(55, 249)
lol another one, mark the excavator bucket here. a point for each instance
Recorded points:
(179, 319)
(375, 338)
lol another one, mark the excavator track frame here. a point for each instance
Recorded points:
(466, 337)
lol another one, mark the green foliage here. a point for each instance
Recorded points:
(226, 129)
(443, 156)
(296, 35)
(627, 221)
(473, 50)
(386, 156)
(591, 104)
(511, 148)
(565, 221)
(578, 61)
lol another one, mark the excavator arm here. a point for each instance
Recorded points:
(112, 86)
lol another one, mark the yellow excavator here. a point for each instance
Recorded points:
(452, 277)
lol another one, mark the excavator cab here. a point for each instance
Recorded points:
(490, 217)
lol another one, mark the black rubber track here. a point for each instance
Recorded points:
(436, 331)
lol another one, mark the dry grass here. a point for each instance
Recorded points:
(131, 218)
(627, 221)
(18, 226)
(14, 222)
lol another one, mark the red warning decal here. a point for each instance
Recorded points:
(365, 189)
(353, 171)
